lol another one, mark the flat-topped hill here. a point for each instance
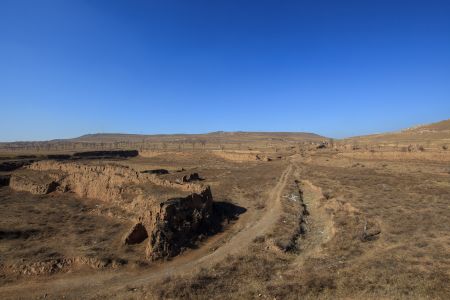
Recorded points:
(217, 136)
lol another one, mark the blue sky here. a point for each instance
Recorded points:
(337, 68)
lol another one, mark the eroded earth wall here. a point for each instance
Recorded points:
(172, 215)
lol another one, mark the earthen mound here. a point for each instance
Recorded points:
(178, 222)
(172, 215)
(35, 182)
(238, 156)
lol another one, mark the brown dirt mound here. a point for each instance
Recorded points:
(178, 222)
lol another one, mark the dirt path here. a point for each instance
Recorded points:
(320, 224)
(86, 286)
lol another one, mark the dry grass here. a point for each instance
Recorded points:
(409, 258)
(380, 229)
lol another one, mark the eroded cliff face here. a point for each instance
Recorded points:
(169, 216)
(178, 223)
(37, 183)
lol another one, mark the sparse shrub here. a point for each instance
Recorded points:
(444, 147)
(328, 195)
(421, 148)
(259, 239)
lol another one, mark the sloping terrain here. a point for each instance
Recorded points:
(319, 220)
(435, 133)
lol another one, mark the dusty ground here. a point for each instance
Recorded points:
(375, 229)
(313, 225)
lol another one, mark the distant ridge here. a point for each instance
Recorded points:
(217, 135)
(437, 132)
(438, 126)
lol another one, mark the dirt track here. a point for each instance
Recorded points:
(86, 286)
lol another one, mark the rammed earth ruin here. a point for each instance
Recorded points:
(169, 216)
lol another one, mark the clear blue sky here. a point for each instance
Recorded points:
(337, 68)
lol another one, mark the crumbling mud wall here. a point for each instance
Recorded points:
(169, 216)
(241, 156)
(177, 223)
(155, 153)
(35, 182)
(106, 181)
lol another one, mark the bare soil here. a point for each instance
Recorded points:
(309, 223)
